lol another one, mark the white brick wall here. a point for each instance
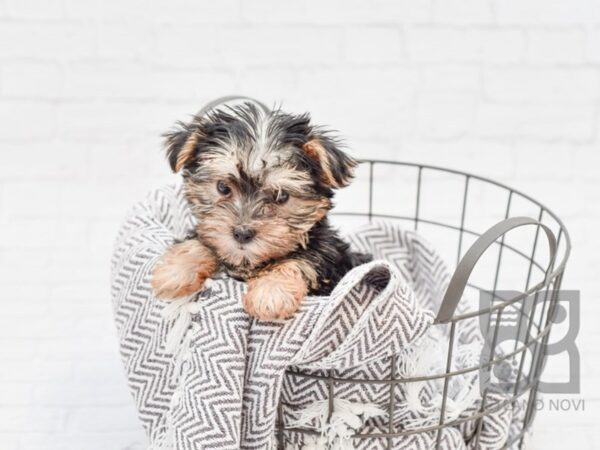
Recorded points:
(505, 88)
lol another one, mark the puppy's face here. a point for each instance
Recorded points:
(257, 181)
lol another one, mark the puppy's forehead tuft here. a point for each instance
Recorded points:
(245, 141)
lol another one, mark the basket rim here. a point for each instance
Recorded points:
(558, 268)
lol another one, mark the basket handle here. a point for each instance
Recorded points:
(230, 98)
(461, 275)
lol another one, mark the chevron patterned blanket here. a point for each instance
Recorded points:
(205, 375)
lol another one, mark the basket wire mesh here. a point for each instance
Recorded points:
(380, 175)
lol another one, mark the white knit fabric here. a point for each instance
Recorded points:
(206, 375)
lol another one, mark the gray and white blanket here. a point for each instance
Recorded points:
(205, 375)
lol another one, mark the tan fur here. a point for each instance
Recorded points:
(274, 239)
(312, 209)
(280, 229)
(317, 152)
(223, 165)
(277, 292)
(187, 152)
(258, 180)
(182, 270)
(287, 179)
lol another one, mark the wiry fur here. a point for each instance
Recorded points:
(279, 173)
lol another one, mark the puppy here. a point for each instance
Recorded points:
(260, 184)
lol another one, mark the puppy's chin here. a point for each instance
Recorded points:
(233, 253)
(240, 256)
(252, 255)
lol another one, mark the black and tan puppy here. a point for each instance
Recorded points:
(260, 184)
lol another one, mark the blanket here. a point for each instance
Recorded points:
(205, 375)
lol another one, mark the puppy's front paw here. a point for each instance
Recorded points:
(182, 270)
(276, 293)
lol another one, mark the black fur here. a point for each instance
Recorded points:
(330, 255)
(239, 125)
(239, 128)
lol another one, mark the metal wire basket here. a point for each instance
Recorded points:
(467, 217)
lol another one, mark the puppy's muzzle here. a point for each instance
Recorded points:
(243, 234)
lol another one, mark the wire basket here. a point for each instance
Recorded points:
(468, 218)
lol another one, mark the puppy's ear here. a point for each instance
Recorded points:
(181, 143)
(337, 168)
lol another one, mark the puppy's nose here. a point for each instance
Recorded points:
(243, 234)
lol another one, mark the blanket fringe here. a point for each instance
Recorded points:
(426, 358)
(336, 433)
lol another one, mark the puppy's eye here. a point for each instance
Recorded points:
(223, 188)
(281, 197)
